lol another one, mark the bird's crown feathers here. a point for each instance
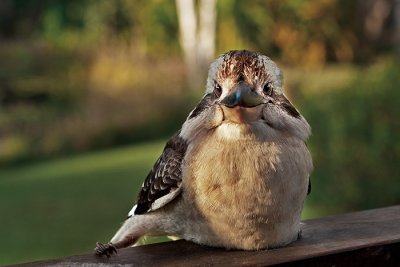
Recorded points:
(243, 65)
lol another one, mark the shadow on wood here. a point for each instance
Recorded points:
(365, 238)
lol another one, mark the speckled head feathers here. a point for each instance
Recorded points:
(243, 65)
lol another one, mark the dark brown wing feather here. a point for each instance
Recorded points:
(165, 177)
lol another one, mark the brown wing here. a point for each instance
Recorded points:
(163, 182)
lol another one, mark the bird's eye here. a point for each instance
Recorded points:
(217, 90)
(268, 89)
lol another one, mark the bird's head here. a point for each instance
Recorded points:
(245, 89)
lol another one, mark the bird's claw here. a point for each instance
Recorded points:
(299, 234)
(105, 249)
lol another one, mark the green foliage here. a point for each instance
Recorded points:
(149, 25)
(309, 32)
(79, 75)
(37, 87)
(355, 142)
(298, 32)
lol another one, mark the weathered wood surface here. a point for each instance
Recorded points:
(366, 238)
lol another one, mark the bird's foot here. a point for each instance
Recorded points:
(105, 249)
(299, 234)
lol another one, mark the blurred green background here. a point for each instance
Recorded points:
(90, 90)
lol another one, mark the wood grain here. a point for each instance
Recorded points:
(355, 239)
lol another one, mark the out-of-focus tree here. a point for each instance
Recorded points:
(376, 23)
(197, 36)
(373, 14)
(396, 17)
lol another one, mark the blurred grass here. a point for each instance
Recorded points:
(64, 206)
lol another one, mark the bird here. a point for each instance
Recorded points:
(236, 174)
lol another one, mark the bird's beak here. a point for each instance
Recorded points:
(243, 96)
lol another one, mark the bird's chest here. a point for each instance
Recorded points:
(251, 192)
(234, 176)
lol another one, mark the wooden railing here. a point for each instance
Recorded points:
(365, 238)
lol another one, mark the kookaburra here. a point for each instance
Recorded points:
(236, 174)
